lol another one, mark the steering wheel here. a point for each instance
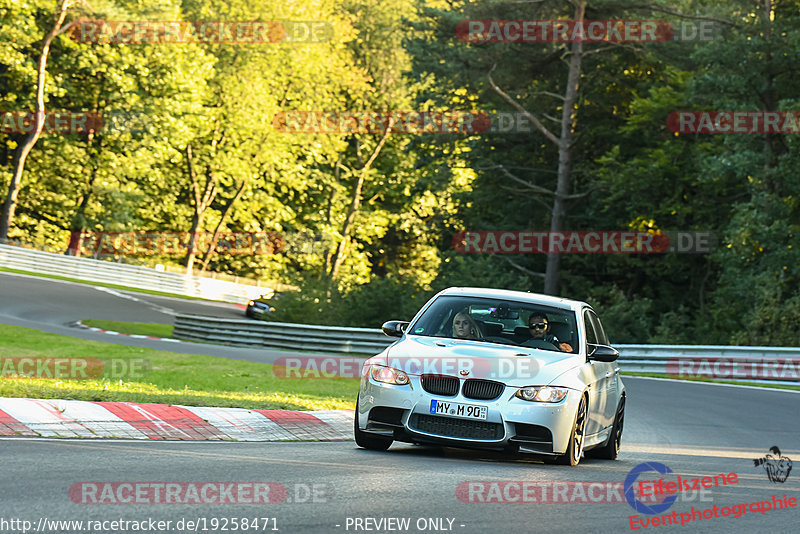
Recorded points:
(539, 344)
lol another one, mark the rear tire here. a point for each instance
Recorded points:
(366, 440)
(575, 448)
(610, 450)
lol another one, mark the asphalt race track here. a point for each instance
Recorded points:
(52, 305)
(696, 430)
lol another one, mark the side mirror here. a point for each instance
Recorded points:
(603, 353)
(394, 328)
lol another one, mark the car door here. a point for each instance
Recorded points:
(594, 377)
(607, 374)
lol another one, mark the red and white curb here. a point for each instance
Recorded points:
(84, 419)
(113, 333)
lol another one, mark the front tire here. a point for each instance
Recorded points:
(575, 448)
(366, 440)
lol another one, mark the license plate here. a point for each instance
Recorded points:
(456, 409)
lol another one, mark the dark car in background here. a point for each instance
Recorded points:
(262, 306)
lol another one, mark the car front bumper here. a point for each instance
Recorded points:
(256, 311)
(403, 413)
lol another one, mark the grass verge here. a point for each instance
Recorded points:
(134, 374)
(123, 327)
(714, 381)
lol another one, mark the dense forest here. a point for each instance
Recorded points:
(196, 133)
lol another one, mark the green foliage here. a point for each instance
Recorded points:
(369, 305)
(625, 319)
(395, 218)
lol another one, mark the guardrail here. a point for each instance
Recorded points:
(778, 365)
(280, 335)
(126, 275)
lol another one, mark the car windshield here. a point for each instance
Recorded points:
(507, 322)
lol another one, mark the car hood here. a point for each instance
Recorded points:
(513, 365)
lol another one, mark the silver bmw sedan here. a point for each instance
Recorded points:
(496, 369)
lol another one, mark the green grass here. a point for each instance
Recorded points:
(101, 284)
(143, 329)
(170, 378)
(713, 381)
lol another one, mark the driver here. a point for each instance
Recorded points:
(539, 327)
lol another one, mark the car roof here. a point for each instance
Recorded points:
(523, 296)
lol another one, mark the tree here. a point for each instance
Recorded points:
(10, 203)
(240, 170)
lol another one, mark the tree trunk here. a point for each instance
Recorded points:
(191, 252)
(565, 157)
(329, 213)
(78, 222)
(355, 203)
(563, 142)
(10, 203)
(773, 147)
(225, 214)
(201, 202)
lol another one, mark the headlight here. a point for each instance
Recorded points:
(542, 394)
(250, 303)
(389, 375)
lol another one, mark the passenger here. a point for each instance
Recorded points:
(539, 327)
(465, 327)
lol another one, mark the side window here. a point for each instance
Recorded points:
(600, 332)
(591, 337)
